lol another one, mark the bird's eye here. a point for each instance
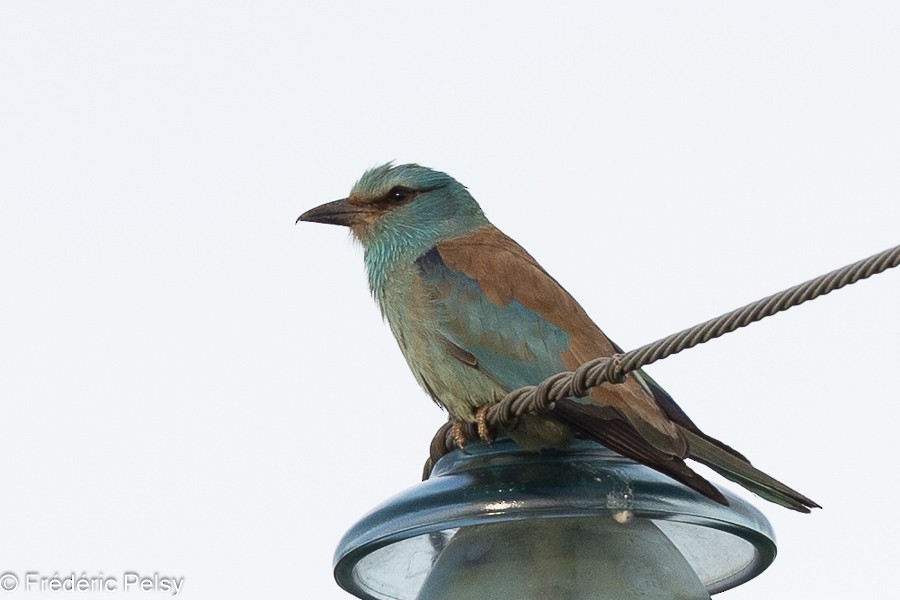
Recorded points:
(398, 195)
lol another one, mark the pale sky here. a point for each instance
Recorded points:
(193, 385)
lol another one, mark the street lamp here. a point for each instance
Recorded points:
(502, 523)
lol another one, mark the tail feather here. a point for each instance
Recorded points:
(739, 470)
(594, 422)
(601, 424)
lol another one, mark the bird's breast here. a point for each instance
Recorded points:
(415, 313)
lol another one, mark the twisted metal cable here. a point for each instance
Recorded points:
(540, 398)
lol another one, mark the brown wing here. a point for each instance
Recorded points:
(506, 272)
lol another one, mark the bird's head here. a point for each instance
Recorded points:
(409, 207)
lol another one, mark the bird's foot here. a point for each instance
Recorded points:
(463, 432)
(458, 431)
(484, 429)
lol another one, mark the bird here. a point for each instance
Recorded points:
(476, 317)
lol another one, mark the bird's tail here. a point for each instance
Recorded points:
(739, 470)
(591, 421)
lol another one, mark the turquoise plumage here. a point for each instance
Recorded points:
(476, 317)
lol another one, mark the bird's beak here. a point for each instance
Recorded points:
(339, 212)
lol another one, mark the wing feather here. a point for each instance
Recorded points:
(510, 278)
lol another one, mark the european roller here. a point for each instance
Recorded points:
(477, 317)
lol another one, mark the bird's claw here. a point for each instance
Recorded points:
(461, 431)
(484, 429)
(457, 430)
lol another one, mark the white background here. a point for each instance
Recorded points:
(191, 384)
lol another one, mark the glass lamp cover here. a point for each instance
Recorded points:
(499, 522)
